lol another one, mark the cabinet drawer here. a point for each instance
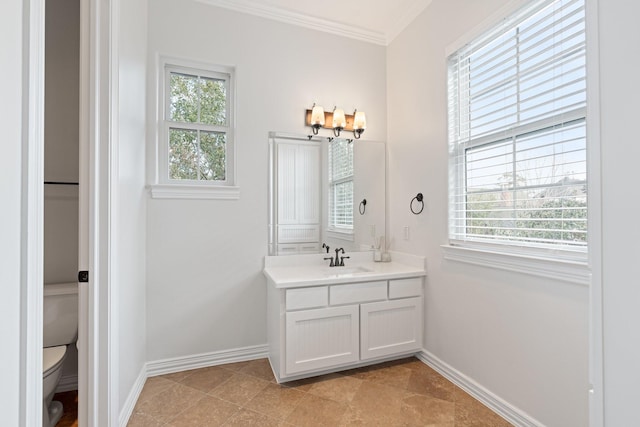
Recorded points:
(298, 299)
(404, 288)
(306, 248)
(358, 292)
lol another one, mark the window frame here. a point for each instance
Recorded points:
(163, 186)
(553, 262)
(344, 233)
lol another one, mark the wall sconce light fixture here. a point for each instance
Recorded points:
(359, 123)
(317, 118)
(336, 120)
(339, 121)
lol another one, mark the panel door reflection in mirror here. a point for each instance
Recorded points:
(314, 185)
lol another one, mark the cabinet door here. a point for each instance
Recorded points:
(390, 327)
(308, 184)
(321, 338)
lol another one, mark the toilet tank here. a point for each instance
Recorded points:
(60, 315)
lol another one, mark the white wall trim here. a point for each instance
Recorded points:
(203, 360)
(185, 363)
(32, 226)
(301, 20)
(594, 232)
(168, 191)
(566, 271)
(494, 402)
(132, 398)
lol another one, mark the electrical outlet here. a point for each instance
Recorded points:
(406, 232)
(372, 229)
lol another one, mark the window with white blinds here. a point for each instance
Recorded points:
(517, 132)
(340, 185)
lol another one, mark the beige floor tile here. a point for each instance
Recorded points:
(143, 420)
(153, 386)
(429, 383)
(339, 388)
(240, 388)
(392, 376)
(178, 376)
(166, 404)
(245, 418)
(275, 401)
(471, 413)
(207, 379)
(402, 393)
(209, 411)
(304, 384)
(316, 411)
(259, 368)
(375, 404)
(236, 366)
(419, 410)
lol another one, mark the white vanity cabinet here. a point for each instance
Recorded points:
(319, 329)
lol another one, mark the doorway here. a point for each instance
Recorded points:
(95, 379)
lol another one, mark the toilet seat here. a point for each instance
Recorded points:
(52, 358)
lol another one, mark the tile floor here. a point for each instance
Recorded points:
(400, 393)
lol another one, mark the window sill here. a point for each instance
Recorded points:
(168, 191)
(567, 271)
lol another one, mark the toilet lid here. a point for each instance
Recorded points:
(51, 356)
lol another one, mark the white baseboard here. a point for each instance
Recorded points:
(67, 383)
(185, 363)
(132, 398)
(500, 406)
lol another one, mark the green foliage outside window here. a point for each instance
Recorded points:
(197, 153)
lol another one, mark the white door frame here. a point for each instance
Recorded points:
(32, 226)
(596, 338)
(98, 404)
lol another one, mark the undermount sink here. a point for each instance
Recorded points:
(345, 271)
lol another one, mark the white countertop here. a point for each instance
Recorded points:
(311, 270)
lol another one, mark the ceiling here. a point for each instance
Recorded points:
(374, 21)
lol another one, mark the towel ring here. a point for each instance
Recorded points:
(418, 198)
(363, 206)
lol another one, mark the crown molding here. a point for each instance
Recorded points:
(299, 19)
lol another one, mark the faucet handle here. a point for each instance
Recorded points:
(342, 260)
(330, 259)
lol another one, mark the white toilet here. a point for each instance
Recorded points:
(59, 330)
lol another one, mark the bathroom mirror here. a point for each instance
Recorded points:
(325, 190)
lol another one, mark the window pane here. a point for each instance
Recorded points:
(183, 154)
(341, 159)
(343, 205)
(183, 105)
(212, 160)
(213, 98)
(518, 131)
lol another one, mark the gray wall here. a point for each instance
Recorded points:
(522, 337)
(205, 288)
(620, 92)
(11, 213)
(129, 213)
